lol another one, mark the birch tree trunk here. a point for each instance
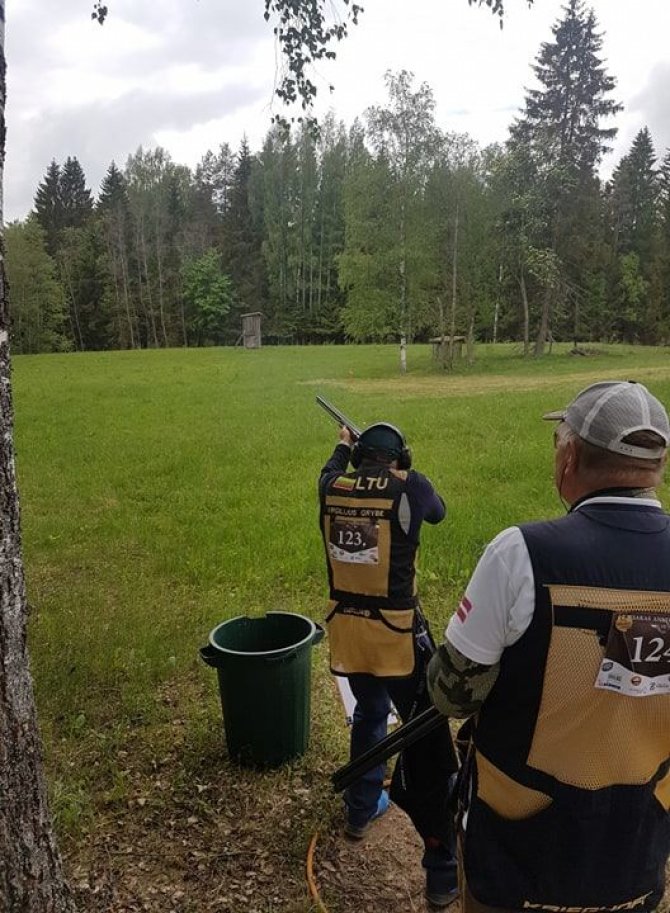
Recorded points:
(526, 312)
(126, 293)
(543, 329)
(31, 877)
(454, 289)
(403, 291)
(496, 313)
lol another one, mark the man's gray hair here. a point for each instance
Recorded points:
(598, 460)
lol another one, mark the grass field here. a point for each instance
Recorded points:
(165, 491)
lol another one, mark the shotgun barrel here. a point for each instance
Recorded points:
(394, 742)
(339, 417)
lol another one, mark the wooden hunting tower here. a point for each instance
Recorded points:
(251, 330)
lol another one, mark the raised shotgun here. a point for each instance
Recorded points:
(339, 417)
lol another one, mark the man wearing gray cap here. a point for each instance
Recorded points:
(559, 653)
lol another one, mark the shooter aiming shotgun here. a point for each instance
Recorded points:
(370, 518)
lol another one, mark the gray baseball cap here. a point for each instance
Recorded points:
(606, 413)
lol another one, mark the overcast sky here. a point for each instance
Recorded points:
(190, 74)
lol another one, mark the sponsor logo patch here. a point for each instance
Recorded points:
(623, 623)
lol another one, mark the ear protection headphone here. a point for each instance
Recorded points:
(404, 455)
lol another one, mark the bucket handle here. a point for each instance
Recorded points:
(211, 656)
(319, 634)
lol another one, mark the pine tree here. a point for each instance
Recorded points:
(329, 229)
(113, 191)
(215, 175)
(279, 170)
(75, 196)
(664, 243)
(243, 259)
(114, 210)
(561, 126)
(562, 120)
(634, 195)
(49, 206)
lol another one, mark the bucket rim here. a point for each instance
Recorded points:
(277, 652)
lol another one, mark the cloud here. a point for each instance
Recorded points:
(101, 131)
(199, 72)
(651, 107)
(165, 67)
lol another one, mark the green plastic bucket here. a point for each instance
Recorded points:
(264, 671)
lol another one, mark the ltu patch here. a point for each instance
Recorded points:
(464, 609)
(344, 484)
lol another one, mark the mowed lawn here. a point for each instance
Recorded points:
(165, 491)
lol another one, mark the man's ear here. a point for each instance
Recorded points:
(572, 456)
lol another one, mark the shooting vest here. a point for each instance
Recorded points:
(370, 573)
(570, 783)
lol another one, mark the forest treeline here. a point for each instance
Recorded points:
(390, 228)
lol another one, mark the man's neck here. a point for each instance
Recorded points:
(615, 492)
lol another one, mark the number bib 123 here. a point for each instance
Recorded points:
(637, 655)
(354, 540)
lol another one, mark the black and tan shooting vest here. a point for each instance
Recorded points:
(569, 784)
(371, 573)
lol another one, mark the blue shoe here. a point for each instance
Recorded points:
(357, 832)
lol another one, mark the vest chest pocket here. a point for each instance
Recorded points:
(377, 642)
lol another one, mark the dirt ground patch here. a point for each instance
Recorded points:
(185, 860)
(380, 873)
(410, 387)
(179, 829)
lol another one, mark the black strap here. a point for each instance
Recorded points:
(589, 619)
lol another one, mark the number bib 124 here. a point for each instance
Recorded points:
(637, 655)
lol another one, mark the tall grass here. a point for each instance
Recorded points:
(165, 491)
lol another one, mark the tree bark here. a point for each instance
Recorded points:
(31, 877)
(526, 312)
(74, 313)
(126, 294)
(403, 290)
(544, 322)
(496, 312)
(471, 337)
(161, 302)
(142, 260)
(454, 286)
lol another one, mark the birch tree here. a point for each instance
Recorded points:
(31, 877)
(404, 136)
